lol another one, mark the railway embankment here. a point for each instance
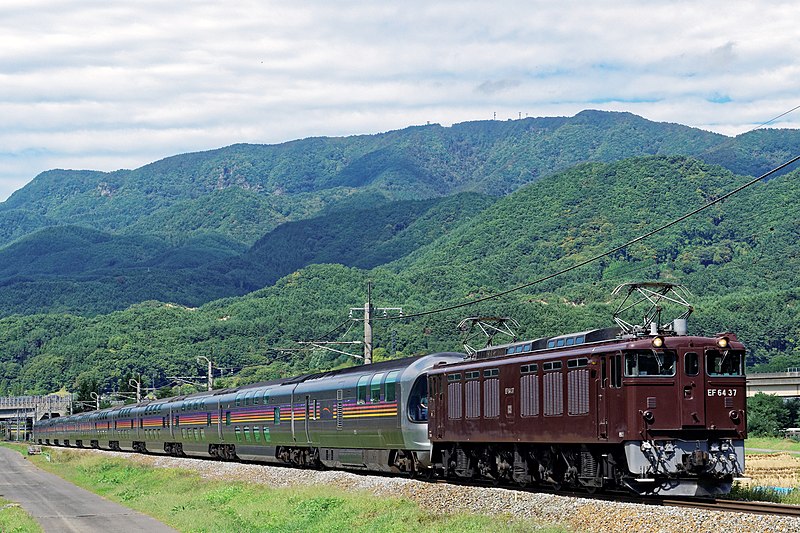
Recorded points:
(514, 510)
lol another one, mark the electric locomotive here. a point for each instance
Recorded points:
(653, 410)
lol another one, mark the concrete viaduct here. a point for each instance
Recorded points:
(17, 413)
(784, 384)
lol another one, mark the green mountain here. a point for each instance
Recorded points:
(739, 258)
(244, 191)
(300, 203)
(79, 270)
(363, 238)
(84, 271)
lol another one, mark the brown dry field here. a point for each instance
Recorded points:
(773, 470)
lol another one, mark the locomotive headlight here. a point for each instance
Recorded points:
(722, 342)
(658, 342)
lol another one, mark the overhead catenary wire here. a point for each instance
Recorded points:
(603, 254)
(323, 337)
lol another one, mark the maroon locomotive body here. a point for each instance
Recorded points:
(656, 414)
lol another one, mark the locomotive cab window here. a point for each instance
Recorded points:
(691, 364)
(650, 363)
(724, 363)
(418, 400)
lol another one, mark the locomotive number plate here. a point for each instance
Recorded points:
(722, 392)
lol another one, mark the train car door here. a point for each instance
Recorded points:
(171, 422)
(291, 409)
(219, 418)
(308, 418)
(692, 395)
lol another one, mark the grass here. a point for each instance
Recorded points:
(771, 443)
(763, 494)
(187, 502)
(13, 519)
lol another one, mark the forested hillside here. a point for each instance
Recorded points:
(196, 227)
(83, 271)
(740, 259)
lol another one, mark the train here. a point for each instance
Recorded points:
(653, 413)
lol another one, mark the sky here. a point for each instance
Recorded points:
(107, 84)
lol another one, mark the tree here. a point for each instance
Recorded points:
(767, 415)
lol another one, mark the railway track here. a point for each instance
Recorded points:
(712, 504)
(709, 504)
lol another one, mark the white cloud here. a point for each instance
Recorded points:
(104, 85)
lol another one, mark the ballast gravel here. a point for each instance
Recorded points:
(579, 514)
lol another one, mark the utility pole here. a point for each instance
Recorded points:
(96, 398)
(138, 384)
(210, 374)
(368, 326)
(369, 312)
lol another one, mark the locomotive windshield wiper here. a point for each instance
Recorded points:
(722, 361)
(660, 361)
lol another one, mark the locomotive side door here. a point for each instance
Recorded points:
(692, 390)
(436, 407)
(602, 399)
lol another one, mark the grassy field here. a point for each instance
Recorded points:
(770, 443)
(766, 470)
(186, 502)
(13, 519)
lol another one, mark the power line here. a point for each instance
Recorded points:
(773, 119)
(604, 254)
(730, 140)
